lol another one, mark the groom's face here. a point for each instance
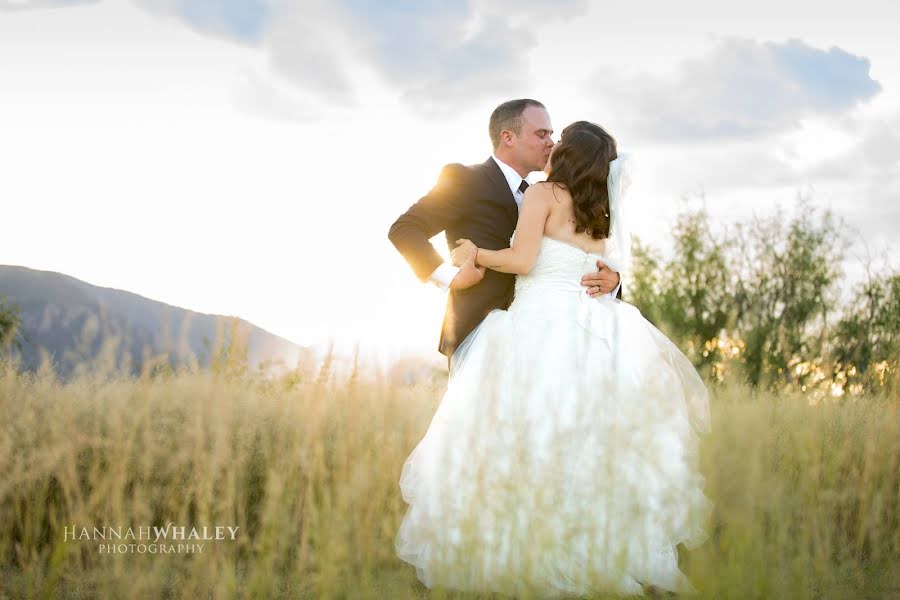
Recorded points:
(533, 145)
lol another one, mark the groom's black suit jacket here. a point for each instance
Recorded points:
(472, 202)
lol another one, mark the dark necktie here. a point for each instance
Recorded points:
(523, 186)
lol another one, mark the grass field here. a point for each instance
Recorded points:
(807, 498)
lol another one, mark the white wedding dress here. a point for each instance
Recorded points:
(562, 459)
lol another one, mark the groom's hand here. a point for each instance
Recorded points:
(468, 275)
(602, 282)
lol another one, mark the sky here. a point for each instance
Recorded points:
(248, 157)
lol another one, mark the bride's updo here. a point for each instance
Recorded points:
(580, 163)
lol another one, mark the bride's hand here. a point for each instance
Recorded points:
(465, 250)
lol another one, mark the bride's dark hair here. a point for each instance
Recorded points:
(580, 163)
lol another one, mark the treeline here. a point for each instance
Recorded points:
(766, 301)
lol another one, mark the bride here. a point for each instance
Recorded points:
(562, 459)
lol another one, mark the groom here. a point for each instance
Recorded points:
(481, 203)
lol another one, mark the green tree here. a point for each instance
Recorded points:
(866, 341)
(786, 292)
(690, 296)
(697, 300)
(759, 296)
(642, 288)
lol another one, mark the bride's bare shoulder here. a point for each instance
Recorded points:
(547, 191)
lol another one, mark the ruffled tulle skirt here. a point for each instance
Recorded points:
(562, 459)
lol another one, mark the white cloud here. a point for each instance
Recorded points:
(742, 88)
(309, 45)
(261, 95)
(437, 56)
(11, 5)
(243, 20)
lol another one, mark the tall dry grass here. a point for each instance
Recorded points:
(807, 498)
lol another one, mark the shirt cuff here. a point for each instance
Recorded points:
(615, 291)
(443, 275)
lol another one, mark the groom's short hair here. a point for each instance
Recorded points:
(509, 116)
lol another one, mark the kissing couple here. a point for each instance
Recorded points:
(563, 457)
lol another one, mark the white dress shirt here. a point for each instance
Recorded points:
(444, 274)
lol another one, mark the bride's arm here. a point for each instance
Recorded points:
(520, 258)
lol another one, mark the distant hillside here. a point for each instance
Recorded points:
(78, 323)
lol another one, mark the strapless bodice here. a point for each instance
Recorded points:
(559, 267)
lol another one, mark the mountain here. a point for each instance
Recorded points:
(76, 323)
